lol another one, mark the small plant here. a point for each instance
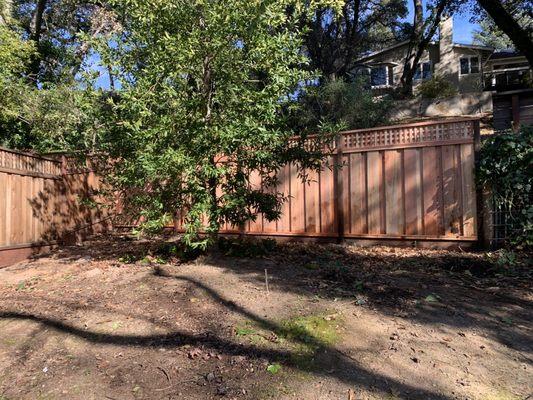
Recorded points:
(274, 368)
(128, 258)
(436, 88)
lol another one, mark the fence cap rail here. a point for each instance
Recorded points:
(414, 124)
(28, 154)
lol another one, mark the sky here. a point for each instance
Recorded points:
(463, 29)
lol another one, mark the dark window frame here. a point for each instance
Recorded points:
(421, 73)
(466, 61)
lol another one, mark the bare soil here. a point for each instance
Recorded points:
(83, 323)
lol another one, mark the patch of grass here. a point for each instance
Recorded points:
(9, 342)
(243, 331)
(306, 335)
(314, 330)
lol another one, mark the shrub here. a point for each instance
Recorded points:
(506, 167)
(343, 105)
(436, 88)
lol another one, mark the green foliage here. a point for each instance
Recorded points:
(308, 334)
(436, 88)
(339, 104)
(274, 368)
(488, 34)
(506, 167)
(50, 117)
(203, 85)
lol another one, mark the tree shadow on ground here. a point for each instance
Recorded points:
(333, 363)
(465, 290)
(472, 291)
(392, 282)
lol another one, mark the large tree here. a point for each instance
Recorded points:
(334, 39)
(203, 86)
(57, 28)
(515, 19)
(423, 30)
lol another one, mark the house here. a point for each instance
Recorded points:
(460, 64)
(509, 77)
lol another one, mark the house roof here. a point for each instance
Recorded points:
(375, 53)
(405, 42)
(473, 46)
(497, 55)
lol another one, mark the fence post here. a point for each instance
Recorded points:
(338, 189)
(484, 233)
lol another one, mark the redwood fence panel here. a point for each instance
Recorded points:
(403, 182)
(42, 202)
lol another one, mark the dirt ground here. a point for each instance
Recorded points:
(105, 321)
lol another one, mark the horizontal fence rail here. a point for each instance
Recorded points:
(42, 203)
(403, 182)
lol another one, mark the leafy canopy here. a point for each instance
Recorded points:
(205, 86)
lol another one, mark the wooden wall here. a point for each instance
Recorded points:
(406, 182)
(513, 109)
(43, 200)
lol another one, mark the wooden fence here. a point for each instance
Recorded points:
(404, 182)
(43, 201)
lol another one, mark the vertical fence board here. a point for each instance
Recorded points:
(469, 190)
(345, 194)
(413, 192)
(284, 224)
(312, 203)
(431, 195)
(393, 193)
(374, 171)
(255, 183)
(327, 198)
(3, 186)
(297, 201)
(451, 191)
(358, 196)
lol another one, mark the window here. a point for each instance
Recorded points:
(381, 75)
(469, 65)
(423, 71)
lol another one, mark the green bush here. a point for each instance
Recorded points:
(341, 105)
(436, 88)
(506, 167)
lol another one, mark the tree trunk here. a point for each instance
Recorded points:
(411, 60)
(521, 38)
(423, 32)
(5, 12)
(35, 36)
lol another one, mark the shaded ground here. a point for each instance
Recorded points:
(337, 323)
